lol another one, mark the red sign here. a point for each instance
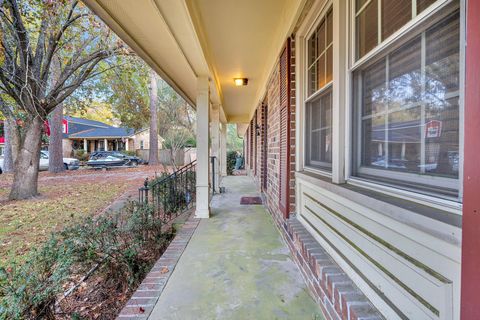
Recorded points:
(433, 129)
(64, 125)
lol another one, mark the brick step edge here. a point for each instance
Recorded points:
(142, 302)
(335, 293)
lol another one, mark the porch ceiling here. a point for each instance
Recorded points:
(222, 39)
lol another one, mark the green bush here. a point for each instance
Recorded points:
(231, 159)
(130, 153)
(120, 242)
(81, 155)
(30, 290)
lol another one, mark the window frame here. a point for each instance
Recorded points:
(382, 45)
(306, 97)
(412, 29)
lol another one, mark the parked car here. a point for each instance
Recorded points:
(112, 159)
(69, 163)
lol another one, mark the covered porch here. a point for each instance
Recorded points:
(235, 266)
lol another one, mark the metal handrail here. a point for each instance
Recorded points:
(170, 195)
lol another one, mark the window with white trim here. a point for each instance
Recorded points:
(318, 105)
(376, 20)
(406, 108)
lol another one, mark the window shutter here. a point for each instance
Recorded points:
(284, 201)
(264, 145)
(251, 144)
(255, 144)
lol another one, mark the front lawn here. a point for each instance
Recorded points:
(24, 224)
(64, 199)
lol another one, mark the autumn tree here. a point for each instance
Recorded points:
(32, 34)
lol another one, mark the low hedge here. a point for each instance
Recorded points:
(115, 241)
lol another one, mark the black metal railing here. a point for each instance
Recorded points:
(171, 194)
(213, 160)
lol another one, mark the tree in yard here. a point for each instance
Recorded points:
(234, 142)
(153, 150)
(33, 34)
(176, 121)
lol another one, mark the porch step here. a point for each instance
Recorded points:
(333, 290)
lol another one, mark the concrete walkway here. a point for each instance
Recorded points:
(236, 266)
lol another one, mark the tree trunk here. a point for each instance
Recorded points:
(8, 155)
(55, 147)
(25, 179)
(153, 150)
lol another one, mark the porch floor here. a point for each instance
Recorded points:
(236, 266)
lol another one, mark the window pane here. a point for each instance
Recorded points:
(405, 77)
(321, 38)
(329, 27)
(312, 49)
(442, 85)
(395, 14)
(373, 142)
(329, 70)
(442, 139)
(442, 68)
(374, 89)
(312, 79)
(423, 4)
(367, 30)
(318, 132)
(321, 80)
(404, 140)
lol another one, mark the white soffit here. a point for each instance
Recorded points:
(176, 56)
(223, 39)
(243, 39)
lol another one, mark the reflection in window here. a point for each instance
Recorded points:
(320, 55)
(408, 106)
(319, 132)
(385, 17)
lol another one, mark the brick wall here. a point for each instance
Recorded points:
(292, 125)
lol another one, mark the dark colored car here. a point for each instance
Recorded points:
(112, 159)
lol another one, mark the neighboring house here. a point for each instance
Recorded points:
(91, 135)
(141, 140)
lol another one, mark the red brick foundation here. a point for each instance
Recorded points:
(141, 304)
(331, 288)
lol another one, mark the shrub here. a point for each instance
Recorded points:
(81, 155)
(130, 153)
(30, 290)
(120, 242)
(231, 159)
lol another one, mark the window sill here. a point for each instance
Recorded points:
(441, 224)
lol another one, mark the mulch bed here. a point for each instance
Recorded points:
(99, 297)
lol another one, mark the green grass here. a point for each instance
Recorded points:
(27, 223)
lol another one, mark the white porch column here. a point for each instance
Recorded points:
(215, 143)
(223, 150)
(203, 161)
(105, 144)
(126, 144)
(85, 145)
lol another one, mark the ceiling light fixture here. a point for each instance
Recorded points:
(240, 81)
